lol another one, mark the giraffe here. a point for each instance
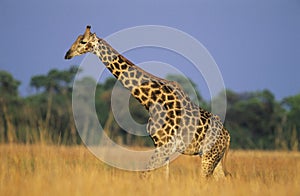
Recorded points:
(175, 123)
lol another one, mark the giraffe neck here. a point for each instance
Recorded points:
(131, 77)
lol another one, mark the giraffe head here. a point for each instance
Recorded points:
(83, 44)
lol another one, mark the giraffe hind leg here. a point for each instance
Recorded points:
(226, 172)
(210, 160)
(207, 166)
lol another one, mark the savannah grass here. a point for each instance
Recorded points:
(61, 170)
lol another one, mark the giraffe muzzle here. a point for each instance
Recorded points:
(68, 56)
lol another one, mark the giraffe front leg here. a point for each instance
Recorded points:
(160, 158)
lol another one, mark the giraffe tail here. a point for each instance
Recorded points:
(226, 173)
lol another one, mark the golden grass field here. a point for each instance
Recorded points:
(54, 170)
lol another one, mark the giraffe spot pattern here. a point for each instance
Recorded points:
(175, 123)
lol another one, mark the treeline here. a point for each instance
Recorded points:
(256, 120)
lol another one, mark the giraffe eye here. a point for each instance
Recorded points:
(82, 42)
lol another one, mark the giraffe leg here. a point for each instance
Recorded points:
(226, 173)
(207, 165)
(210, 160)
(160, 158)
(167, 171)
(219, 172)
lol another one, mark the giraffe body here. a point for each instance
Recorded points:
(175, 124)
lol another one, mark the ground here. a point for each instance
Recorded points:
(53, 170)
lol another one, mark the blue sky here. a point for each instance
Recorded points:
(256, 44)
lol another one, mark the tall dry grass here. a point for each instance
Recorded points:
(52, 170)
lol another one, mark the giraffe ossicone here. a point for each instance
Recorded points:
(175, 123)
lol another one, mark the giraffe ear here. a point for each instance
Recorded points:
(86, 34)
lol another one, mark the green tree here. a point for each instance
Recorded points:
(292, 106)
(253, 118)
(55, 98)
(8, 99)
(292, 124)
